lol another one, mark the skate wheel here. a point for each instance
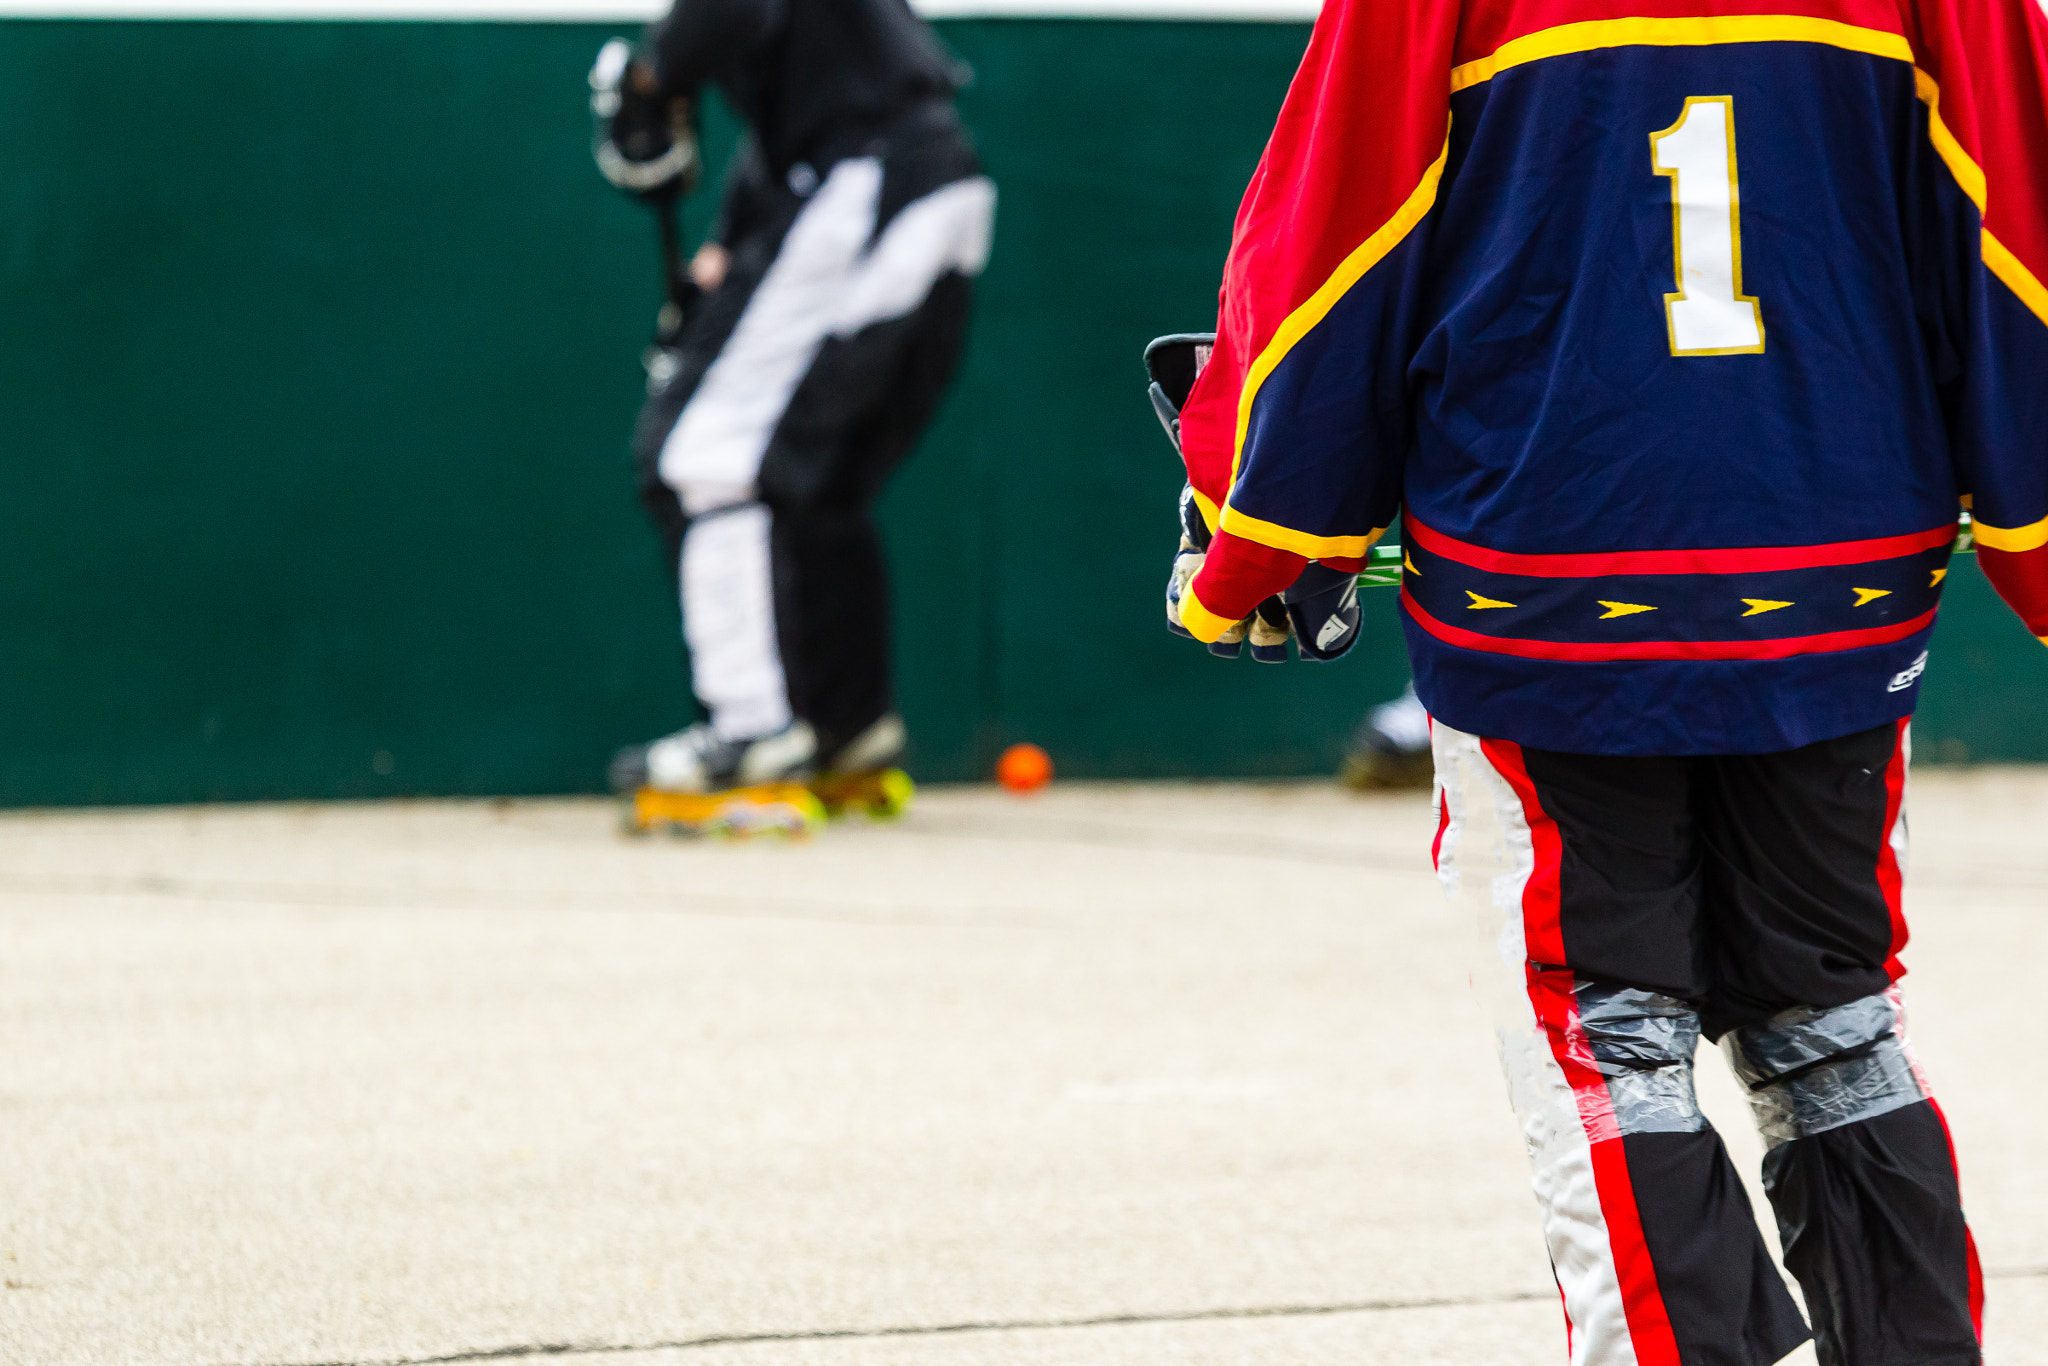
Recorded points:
(630, 823)
(891, 795)
(880, 795)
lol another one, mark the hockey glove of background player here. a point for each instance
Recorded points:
(645, 141)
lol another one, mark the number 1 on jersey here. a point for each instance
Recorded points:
(1709, 315)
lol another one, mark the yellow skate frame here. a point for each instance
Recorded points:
(789, 810)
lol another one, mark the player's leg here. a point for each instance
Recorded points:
(1806, 852)
(832, 584)
(1584, 873)
(869, 393)
(697, 449)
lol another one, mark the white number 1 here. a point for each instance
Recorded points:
(1709, 315)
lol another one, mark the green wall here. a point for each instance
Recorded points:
(318, 355)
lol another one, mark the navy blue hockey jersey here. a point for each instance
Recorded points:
(1675, 334)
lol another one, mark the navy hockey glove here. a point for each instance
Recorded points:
(1319, 612)
(1322, 610)
(645, 141)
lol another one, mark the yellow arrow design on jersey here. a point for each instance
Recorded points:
(1866, 596)
(1480, 604)
(1759, 606)
(1409, 565)
(1622, 609)
(1939, 575)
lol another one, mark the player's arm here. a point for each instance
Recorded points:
(743, 195)
(1990, 318)
(1293, 454)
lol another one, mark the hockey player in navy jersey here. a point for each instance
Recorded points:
(1677, 333)
(832, 306)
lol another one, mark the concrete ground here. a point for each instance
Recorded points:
(1116, 1074)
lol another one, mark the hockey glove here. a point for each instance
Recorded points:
(1322, 610)
(1319, 611)
(645, 141)
(1187, 562)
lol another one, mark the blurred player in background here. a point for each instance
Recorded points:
(798, 363)
(1390, 747)
(1677, 343)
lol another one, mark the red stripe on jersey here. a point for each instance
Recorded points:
(1730, 560)
(1618, 652)
(1890, 876)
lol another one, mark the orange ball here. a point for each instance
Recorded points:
(1024, 768)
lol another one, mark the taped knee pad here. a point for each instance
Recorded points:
(1810, 1070)
(1643, 1044)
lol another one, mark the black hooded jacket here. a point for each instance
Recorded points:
(809, 77)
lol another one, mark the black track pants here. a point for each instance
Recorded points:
(805, 380)
(1632, 905)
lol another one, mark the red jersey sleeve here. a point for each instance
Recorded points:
(1988, 63)
(1292, 457)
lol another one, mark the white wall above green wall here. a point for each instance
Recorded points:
(628, 11)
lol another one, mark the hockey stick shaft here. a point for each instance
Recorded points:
(667, 218)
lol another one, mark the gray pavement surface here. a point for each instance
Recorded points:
(1114, 1074)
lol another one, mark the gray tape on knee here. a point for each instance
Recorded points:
(1810, 1070)
(1643, 1043)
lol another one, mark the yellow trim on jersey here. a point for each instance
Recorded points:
(1277, 537)
(1774, 28)
(1969, 175)
(1211, 514)
(1705, 32)
(2016, 540)
(1303, 320)
(1199, 622)
(1998, 258)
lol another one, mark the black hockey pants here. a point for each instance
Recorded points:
(1632, 905)
(804, 380)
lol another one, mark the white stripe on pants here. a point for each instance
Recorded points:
(729, 622)
(1486, 860)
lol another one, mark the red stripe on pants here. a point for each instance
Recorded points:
(1969, 1238)
(1443, 823)
(1890, 877)
(1551, 983)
